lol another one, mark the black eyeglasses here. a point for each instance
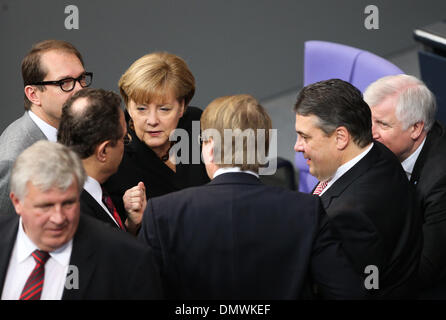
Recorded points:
(68, 84)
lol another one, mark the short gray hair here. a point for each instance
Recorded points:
(46, 165)
(415, 102)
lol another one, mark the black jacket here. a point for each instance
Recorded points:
(373, 210)
(111, 263)
(235, 238)
(429, 178)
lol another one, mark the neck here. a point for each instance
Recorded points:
(92, 170)
(163, 150)
(414, 147)
(351, 152)
(38, 111)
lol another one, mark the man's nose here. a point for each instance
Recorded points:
(375, 132)
(57, 215)
(298, 147)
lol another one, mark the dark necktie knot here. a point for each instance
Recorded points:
(41, 257)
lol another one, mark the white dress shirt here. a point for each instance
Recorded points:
(49, 131)
(21, 264)
(409, 163)
(94, 189)
(233, 169)
(345, 167)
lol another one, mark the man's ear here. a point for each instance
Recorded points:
(342, 137)
(416, 130)
(101, 150)
(208, 151)
(16, 203)
(32, 94)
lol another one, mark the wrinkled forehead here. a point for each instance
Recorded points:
(385, 109)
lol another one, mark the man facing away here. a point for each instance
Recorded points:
(48, 251)
(52, 72)
(403, 117)
(235, 238)
(362, 186)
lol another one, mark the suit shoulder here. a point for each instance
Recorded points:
(272, 197)
(19, 135)
(109, 240)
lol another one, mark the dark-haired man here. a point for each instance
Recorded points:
(52, 72)
(93, 125)
(362, 186)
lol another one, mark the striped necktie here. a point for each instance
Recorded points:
(34, 285)
(320, 187)
(106, 199)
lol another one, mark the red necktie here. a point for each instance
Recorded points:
(320, 187)
(106, 199)
(33, 286)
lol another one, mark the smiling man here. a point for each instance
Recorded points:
(362, 185)
(48, 236)
(52, 72)
(403, 116)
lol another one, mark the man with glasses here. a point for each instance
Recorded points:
(52, 72)
(93, 125)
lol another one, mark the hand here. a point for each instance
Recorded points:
(135, 203)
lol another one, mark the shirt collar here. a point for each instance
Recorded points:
(409, 163)
(233, 169)
(49, 131)
(25, 247)
(346, 166)
(93, 187)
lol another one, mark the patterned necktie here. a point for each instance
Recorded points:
(320, 187)
(33, 286)
(106, 199)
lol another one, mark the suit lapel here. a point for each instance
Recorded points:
(8, 231)
(350, 176)
(82, 258)
(31, 130)
(431, 139)
(88, 203)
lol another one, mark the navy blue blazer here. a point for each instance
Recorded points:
(235, 238)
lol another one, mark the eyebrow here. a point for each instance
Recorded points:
(70, 77)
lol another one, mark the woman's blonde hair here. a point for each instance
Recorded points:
(154, 76)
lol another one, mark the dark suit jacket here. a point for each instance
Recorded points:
(111, 264)
(429, 178)
(373, 211)
(140, 163)
(236, 238)
(90, 207)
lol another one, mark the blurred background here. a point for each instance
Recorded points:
(231, 46)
